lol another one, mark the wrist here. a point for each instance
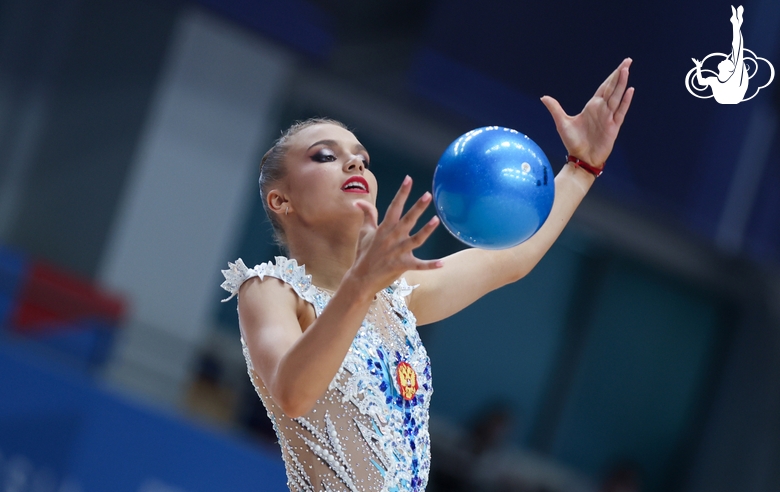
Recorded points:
(583, 179)
(585, 165)
(356, 287)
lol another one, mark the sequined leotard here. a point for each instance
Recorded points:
(369, 431)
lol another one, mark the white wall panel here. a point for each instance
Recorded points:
(194, 171)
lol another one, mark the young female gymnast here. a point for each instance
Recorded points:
(333, 350)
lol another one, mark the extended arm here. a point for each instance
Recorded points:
(471, 273)
(589, 136)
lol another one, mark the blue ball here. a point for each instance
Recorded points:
(493, 188)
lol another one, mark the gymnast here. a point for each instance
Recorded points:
(731, 84)
(329, 332)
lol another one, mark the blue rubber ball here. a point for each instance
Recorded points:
(493, 188)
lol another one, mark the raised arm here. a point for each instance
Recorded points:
(701, 80)
(470, 274)
(297, 363)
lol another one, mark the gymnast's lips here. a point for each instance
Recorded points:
(355, 184)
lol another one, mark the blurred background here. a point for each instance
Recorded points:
(640, 355)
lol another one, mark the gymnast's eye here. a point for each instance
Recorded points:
(324, 155)
(365, 161)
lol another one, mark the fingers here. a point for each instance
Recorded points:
(417, 239)
(415, 212)
(617, 94)
(427, 264)
(555, 109)
(608, 86)
(370, 216)
(614, 79)
(397, 205)
(620, 114)
(395, 209)
(602, 90)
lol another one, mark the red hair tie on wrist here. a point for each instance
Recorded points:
(584, 165)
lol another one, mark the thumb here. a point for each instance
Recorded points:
(555, 109)
(370, 216)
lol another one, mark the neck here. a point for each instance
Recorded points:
(327, 257)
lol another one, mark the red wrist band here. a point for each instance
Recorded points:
(584, 165)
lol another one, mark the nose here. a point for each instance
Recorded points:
(355, 163)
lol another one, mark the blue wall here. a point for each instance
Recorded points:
(77, 432)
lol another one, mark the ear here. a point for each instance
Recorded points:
(277, 202)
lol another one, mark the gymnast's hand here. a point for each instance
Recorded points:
(384, 251)
(591, 134)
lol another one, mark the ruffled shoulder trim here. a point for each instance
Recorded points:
(286, 270)
(236, 274)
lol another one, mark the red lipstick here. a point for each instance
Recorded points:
(355, 184)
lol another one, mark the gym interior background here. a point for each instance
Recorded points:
(641, 353)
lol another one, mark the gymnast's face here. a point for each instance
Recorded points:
(327, 171)
(725, 69)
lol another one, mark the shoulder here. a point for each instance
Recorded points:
(241, 279)
(265, 297)
(284, 269)
(288, 284)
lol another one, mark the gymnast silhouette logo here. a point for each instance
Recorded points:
(730, 84)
